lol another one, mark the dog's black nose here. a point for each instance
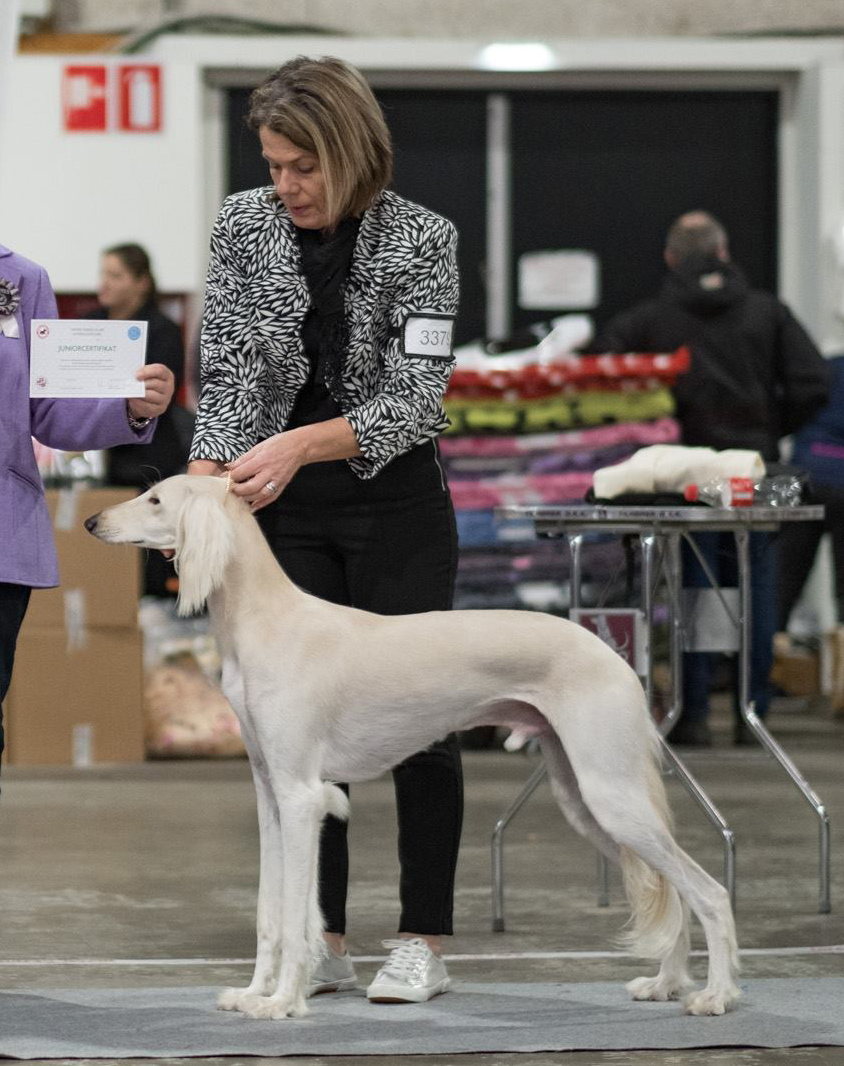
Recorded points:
(91, 523)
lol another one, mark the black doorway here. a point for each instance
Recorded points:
(605, 171)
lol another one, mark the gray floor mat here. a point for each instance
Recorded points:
(474, 1017)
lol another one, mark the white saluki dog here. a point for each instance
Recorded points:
(328, 693)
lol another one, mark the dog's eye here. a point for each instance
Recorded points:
(154, 500)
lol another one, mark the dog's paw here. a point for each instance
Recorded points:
(273, 1008)
(657, 989)
(229, 998)
(710, 1001)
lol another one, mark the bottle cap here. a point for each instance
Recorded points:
(690, 493)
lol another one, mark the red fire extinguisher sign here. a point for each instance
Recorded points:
(139, 97)
(84, 98)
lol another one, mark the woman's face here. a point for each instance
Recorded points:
(119, 290)
(297, 178)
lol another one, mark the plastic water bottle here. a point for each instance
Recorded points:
(781, 490)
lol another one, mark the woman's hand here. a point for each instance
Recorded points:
(261, 474)
(159, 388)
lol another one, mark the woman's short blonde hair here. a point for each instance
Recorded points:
(325, 107)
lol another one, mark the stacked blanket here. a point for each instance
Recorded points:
(534, 431)
(588, 390)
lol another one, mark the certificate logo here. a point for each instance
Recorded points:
(42, 331)
(134, 332)
(41, 382)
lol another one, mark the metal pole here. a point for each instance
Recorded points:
(674, 581)
(499, 252)
(533, 782)
(748, 713)
(648, 545)
(713, 814)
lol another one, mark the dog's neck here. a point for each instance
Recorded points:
(253, 576)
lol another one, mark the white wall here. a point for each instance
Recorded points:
(9, 18)
(66, 195)
(470, 18)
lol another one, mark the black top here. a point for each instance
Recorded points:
(326, 259)
(755, 373)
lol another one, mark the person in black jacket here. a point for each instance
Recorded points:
(755, 377)
(127, 290)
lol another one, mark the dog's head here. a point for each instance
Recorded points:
(184, 515)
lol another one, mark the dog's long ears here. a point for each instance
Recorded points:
(204, 546)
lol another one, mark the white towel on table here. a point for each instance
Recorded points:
(670, 467)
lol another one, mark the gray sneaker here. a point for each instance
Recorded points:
(330, 972)
(411, 974)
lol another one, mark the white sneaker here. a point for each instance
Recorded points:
(412, 974)
(330, 972)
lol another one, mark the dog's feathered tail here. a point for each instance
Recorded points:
(336, 801)
(658, 917)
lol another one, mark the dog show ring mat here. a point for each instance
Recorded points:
(474, 1017)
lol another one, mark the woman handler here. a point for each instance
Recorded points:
(326, 350)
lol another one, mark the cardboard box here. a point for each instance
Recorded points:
(100, 583)
(796, 672)
(76, 706)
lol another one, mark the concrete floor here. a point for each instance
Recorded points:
(108, 872)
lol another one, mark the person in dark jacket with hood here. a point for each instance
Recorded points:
(755, 376)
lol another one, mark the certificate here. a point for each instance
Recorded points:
(86, 357)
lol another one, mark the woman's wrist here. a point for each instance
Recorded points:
(324, 441)
(206, 467)
(136, 421)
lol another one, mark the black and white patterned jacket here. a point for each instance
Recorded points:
(253, 360)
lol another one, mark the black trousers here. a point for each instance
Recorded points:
(14, 600)
(387, 545)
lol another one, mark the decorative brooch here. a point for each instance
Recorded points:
(10, 298)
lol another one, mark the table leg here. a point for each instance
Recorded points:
(648, 547)
(760, 731)
(674, 580)
(712, 813)
(575, 543)
(532, 784)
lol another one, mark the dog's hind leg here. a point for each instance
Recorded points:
(659, 877)
(566, 792)
(673, 978)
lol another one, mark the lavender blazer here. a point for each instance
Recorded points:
(27, 550)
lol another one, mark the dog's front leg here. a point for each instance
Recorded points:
(268, 954)
(301, 808)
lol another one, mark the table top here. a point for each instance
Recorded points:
(569, 517)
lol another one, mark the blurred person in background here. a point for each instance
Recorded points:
(127, 290)
(819, 451)
(27, 552)
(755, 376)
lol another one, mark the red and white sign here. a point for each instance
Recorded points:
(139, 98)
(84, 98)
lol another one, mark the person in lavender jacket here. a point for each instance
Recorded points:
(27, 552)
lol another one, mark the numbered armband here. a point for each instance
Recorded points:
(428, 335)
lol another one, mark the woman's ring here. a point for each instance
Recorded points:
(269, 488)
